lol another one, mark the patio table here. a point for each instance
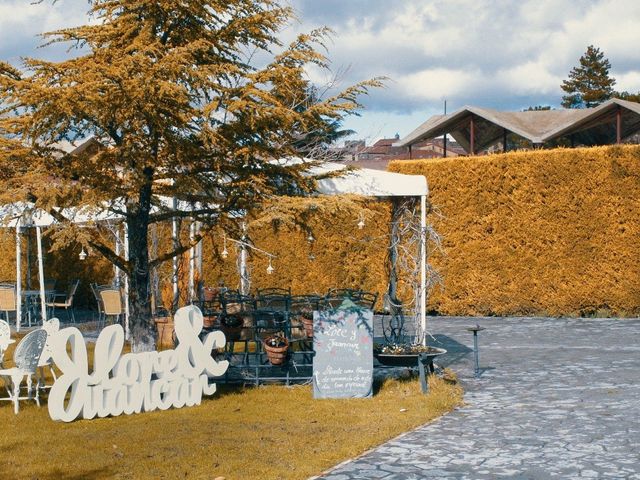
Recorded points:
(32, 303)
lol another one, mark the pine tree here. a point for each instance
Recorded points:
(589, 84)
(169, 89)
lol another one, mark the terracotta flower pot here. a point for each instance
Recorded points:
(164, 325)
(276, 355)
(209, 321)
(307, 323)
(210, 294)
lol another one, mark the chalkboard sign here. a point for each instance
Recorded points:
(343, 345)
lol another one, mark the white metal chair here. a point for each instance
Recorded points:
(5, 339)
(46, 359)
(26, 358)
(65, 300)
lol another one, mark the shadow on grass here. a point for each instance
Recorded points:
(58, 474)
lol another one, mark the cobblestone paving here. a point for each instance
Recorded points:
(560, 399)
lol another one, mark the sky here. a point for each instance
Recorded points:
(501, 54)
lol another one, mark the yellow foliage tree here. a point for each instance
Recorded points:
(169, 88)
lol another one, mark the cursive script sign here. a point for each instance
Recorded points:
(133, 382)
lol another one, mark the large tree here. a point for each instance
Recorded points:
(589, 84)
(168, 87)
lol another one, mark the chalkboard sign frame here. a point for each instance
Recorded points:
(343, 346)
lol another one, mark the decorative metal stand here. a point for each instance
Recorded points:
(476, 356)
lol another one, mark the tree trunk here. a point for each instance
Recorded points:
(396, 324)
(141, 324)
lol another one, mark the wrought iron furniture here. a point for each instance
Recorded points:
(302, 305)
(366, 300)
(273, 291)
(269, 312)
(335, 297)
(273, 301)
(46, 359)
(5, 339)
(32, 309)
(26, 358)
(64, 301)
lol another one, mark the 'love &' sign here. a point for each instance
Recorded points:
(134, 382)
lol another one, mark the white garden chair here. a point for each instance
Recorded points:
(5, 339)
(46, 359)
(26, 358)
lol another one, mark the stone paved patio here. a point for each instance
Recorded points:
(561, 400)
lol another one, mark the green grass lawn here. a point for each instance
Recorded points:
(268, 432)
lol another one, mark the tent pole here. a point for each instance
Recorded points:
(244, 272)
(155, 294)
(199, 256)
(192, 262)
(43, 303)
(174, 275)
(423, 267)
(126, 284)
(18, 279)
(116, 270)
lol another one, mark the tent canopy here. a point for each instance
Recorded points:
(369, 182)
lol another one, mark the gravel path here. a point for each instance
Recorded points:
(560, 399)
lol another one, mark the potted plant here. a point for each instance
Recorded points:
(209, 294)
(231, 325)
(276, 347)
(405, 354)
(164, 321)
(306, 317)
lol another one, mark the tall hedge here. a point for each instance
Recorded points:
(551, 232)
(340, 255)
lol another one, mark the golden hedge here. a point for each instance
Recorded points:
(551, 232)
(341, 254)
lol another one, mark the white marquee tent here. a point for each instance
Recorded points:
(365, 182)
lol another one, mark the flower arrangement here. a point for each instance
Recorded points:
(403, 349)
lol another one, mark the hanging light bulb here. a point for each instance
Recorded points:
(310, 238)
(270, 268)
(312, 257)
(82, 255)
(361, 222)
(224, 253)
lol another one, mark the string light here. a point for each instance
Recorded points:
(224, 253)
(361, 223)
(310, 238)
(270, 268)
(82, 255)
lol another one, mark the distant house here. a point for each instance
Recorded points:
(378, 155)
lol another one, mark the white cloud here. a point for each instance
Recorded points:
(628, 81)
(439, 83)
(530, 78)
(505, 55)
(21, 22)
